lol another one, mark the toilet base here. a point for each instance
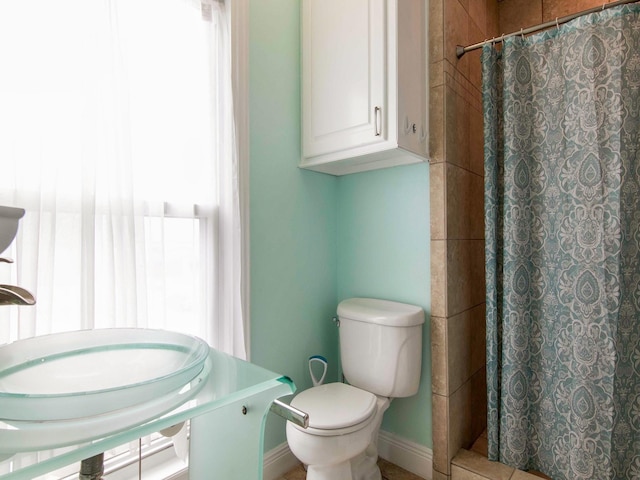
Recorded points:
(365, 465)
(341, 471)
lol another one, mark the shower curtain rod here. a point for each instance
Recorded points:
(460, 50)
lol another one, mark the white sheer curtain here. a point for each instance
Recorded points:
(116, 136)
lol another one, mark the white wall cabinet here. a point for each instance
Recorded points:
(364, 88)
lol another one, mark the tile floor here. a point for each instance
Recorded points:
(389, 472)
(473, 464)
(480, 446)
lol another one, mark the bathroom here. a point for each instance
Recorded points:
(453, 188)
(412, 234)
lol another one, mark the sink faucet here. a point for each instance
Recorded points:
(11, 294)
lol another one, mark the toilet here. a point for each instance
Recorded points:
(381, 355)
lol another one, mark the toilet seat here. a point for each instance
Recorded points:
(335, 409)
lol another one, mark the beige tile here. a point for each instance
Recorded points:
(436, 30)
(458, 473)
(552, 9)
(464, 275)
(476, 463)
(460, 85)
(476, 209)
(467, 413)
(478, 15)
(466, 345)
(437, 192)
(478, 403)
(476, 142)
(461, 132)
(456, 128)
(440, 429)
(517, 14)
(456, 32)
(475, 67)
(436, 475)
(460, 418)
(436, 124)
(436, 73)
(439, 278)
(439, 357)
(492, 19)
(465, 204)
(481, 446)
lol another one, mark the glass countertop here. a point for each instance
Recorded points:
(224, 380)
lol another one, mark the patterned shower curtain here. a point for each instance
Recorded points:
(562, 219)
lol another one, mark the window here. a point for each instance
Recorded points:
(118, 139)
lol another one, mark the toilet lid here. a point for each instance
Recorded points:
(335, 405)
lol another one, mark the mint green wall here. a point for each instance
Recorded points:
(383, 252)
(293, 213)
(311, 234)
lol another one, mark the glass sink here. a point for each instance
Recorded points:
(86, 373)
(226, 404)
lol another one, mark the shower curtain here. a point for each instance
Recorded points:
(562, 219)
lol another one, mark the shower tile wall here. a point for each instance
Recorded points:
(457, 232)
(517, 14)
(457, 244)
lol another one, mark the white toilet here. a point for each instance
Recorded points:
(381, 352)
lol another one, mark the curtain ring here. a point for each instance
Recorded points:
(522, 33)
(557, 24)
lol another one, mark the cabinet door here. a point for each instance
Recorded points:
(344, 87)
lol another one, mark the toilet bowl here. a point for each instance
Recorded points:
(380, 349)
(340, 442)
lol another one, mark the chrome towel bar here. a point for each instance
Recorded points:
(290, 413)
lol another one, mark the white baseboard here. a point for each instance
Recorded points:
(278, 461)
(411, 456)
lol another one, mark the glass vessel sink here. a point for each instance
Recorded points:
(94, 372)
(226, 405)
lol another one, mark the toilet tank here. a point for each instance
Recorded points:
(381, 345)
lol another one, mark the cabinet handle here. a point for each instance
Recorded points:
(378, 120)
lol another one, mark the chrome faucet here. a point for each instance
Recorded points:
(11, 294)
